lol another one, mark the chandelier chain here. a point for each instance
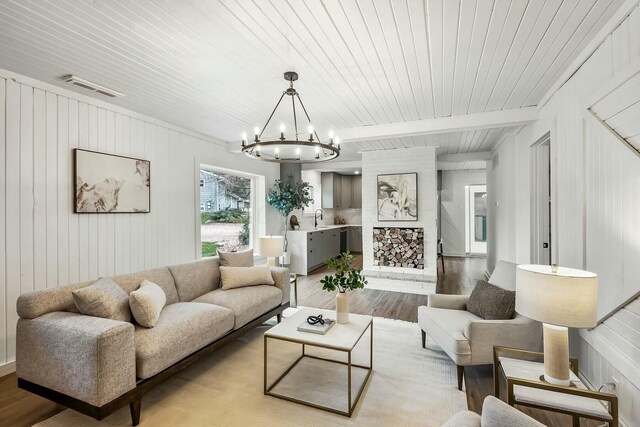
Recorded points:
(272, 113)
(295, 118)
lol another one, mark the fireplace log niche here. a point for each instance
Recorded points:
(398, 247)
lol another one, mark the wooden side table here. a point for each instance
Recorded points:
(523, 371)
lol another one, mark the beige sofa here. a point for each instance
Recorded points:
(469, 339)
(97, 365)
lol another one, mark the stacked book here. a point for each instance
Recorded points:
(317, 328)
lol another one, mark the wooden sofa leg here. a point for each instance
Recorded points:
(279, 317)
(135, 408)
(424, 339)
(460, 376)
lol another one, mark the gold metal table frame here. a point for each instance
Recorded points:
(351, 405)
(532, 356)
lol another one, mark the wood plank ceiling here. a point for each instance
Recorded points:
(216, 67)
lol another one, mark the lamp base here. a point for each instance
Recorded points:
(271, 261)
(556, 354)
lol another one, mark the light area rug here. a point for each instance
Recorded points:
(397, 285)
(409, 386)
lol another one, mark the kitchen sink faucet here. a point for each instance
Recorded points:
(315, 218)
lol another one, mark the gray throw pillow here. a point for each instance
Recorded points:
(491, 302)
(146, 303)
(236, 259)
(103, 298)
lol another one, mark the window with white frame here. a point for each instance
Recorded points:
(226, 218)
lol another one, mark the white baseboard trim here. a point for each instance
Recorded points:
(400, 275)
(487, 274)
(464, 255)
(7, 368)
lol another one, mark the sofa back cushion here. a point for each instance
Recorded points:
(196, 278)
(35, 304)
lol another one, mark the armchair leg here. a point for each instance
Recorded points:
(135, 408)
(279, 317)
(460, 376)
(424, 339)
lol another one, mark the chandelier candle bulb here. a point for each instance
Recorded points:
(310, 129)
(282, 129)
(256, 132)
(331, 137)
(244, 139)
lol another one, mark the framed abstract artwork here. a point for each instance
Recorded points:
(398, 197)
(106, 183)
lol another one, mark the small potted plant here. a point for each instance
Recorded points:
(285, 197)
(346, 278)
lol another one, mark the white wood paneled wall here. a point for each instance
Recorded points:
(44, 244)
(596, 182)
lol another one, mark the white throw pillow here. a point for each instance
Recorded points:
(146, 303)
(239, 277)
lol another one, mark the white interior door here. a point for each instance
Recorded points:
(476, 219)
(541, 201)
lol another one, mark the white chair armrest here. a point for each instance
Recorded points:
(520, 332)
(451, 302)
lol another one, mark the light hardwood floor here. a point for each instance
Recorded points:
(20, 408)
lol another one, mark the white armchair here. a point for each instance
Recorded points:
(495, 413)
(468, 339)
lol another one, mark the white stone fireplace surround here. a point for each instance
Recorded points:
(405, 160)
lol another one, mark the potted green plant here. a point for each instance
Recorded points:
(286, 196)
(345, 278)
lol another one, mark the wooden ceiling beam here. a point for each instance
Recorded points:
(485, 120)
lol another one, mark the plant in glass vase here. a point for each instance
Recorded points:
(287, 196)
(346, 278)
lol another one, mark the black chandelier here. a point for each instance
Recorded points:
(283, 150)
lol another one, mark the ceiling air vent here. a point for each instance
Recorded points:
(95, 87)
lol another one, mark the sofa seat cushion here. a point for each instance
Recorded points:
(447, 327)
(246, 303)
(182, 328)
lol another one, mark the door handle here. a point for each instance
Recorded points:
(545, 245)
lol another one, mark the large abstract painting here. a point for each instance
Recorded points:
(398, 197)
(110, 183)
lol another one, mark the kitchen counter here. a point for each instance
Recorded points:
(322, 228)
(311, 247)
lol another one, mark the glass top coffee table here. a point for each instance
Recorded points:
(312, 379)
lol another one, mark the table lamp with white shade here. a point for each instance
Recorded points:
(271, 247)
(561, 298)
